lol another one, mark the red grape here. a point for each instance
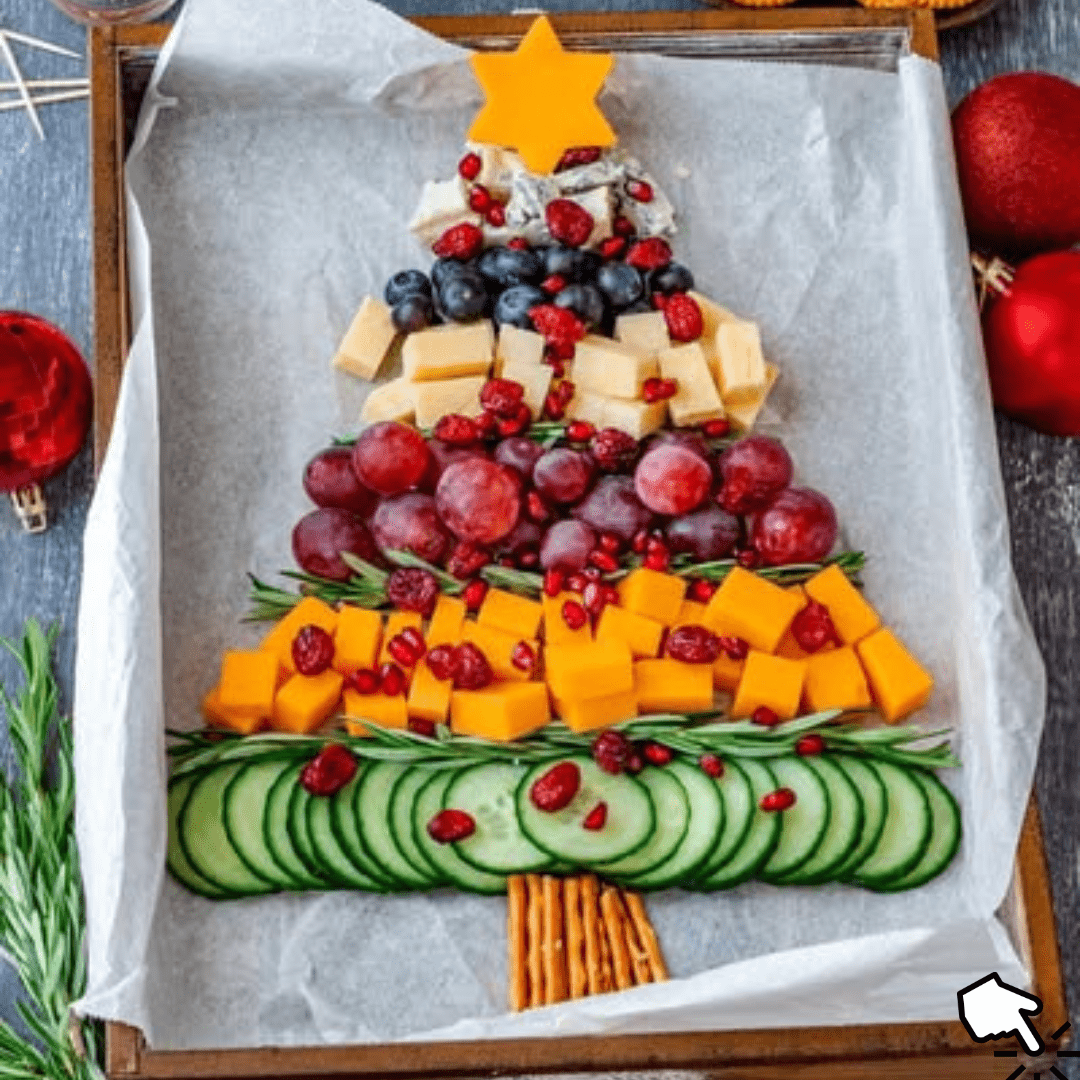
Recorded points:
(672, 479)
(478, 500)
(444, 455)
(390, 458)
(525, 536)
(799, 525)
(519, 452)
(562, 476)
(566, 546)
(321, 536)
(708, 533)
(753, 469)
(410, 522)
(613, 507)
(329, 480)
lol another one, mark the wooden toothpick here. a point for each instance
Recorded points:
(24, 93)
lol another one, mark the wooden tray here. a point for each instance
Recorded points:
(120, 65)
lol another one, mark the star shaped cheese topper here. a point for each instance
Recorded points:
(541, 99)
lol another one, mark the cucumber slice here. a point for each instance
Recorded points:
(672, 806)
(278, 838)
(245, 813)
(845, 825)
(631, 817)
(347, 831)
(906, 833)
(706, 825)
(328, 848)
(402, 805)
(372, 809)
(444, 857)
(202, 835)
(300, 834)
(177, 862)
(802, 825)
(760, 839)
(739, 806)
(945, 832)
(872, 792)
(499, 845)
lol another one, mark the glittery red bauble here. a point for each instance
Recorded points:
(44, 400)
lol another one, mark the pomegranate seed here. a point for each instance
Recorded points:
(391, 680)
(702, 591)
(415, 640)
(536, 509)
(656, 753)
(639, 190)
(329, 771)
(603, 561)
(594, 599)
(553, 582)
(558, 368)
(528, 558)
(611, 750)
(450, 825)
(580, 431)
(574, 615)
(553, 284)
(712, 764)
(443, 662)
(611, 595)
(809, 745)
(634, 764)
(577, 582)
(553, 408)
(523, 657)
(419, 726)
(765, 716)
(748, 558)
(662, 389)
(518, 423)
(610, 543)
(312, 650)
(469, 166)
(578, 155)
(655, 545)
(780, 799)
(715, 429)
(735, 647)
(479, 199)
(473, 671)
(473, 594)
(363, 681)
(519, 243)
(496, 215)
(556, 788)
(507, 561)
(612, 247)
(466, 559)
(657, 560)
(403, 652)
(622, 226)
(595, 818)
(813, 628)
(591, 573)
(639, 542)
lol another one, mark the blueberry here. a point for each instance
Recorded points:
(513, 305)
(463, 296)
(620, 283)
(585, 301)
(670, 279)
(413, 313)
(571, 264)
(406, 283)
(508, 266)
(442, 269)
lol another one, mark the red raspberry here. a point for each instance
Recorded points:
(466, 560)
(455, 430)
(474, 593)
(556, 788)
(693, 645)
(612, 247)
(716, 429)
(312, 650)
(650, 253)
(683, 317)
(702, 591)
(450, 825)
(611, 750)
(553, 284)
(473, 670)
(574, 615)
(735, 647)
(712, 764)
(613, 450)
(622, 226)
(523, 657)
(363, 681)
(419, 726)
(479, 199)
(568, 222)
(516, 424)
(469, 166)
(813, 628)
(780, 799)
(410, 589)
(639, 190)
(443, 662)
(502, 397)
(578, 155)
(392, 680)
(596, 818)
(496, 215)
(765, 716)
(561, 328)
(656, 753)
(518, 243)
(809, 745)
(329, 771)
(463, 241)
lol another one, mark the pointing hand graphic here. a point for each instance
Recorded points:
(990, 1009)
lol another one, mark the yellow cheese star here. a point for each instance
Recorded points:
(541, 99)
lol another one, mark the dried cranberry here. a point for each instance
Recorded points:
(510, 426)
(392, 680)
(716, 429)
(693, 645)
(612, 247)
(312, 650)
(329, 771)
(523, 657)
(780, 799)
(622, 226)
(363, 681)
(574, 615)
(604, 561)
(614, 451)
(455, 430)
(473, 670)
(596, 818)
(502, 397)
(402, 651)
(649, 254)
(450, 825)
(611, 750)
(553, 582)
(479, 199)
(473, 594)
(580, 431)
(536, 509)
(553, 284)
(813, 628)
(568, 223)
(578, 155)
(653, 390)
(469, 166)
(496, 215)
(735, 648)
(765, 716)
(412, 589)
(683, 317)
(463, 241)
(443, 662)
(466, 559)
(656, 753)
(556, 788)
(702, 591)
(712, 764)
(560, 327)
(419, 726)
(639, 190)
(809, 745)
(415, 640)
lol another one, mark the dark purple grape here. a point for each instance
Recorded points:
(709, 533)
(321, 536)
(519, 453)
(566, 546)
(613, 507)
(410, 522)
(329, 480)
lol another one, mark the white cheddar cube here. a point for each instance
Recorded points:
(740, 366)
(712, 314)
(448, 352)
(645, 331)
(587, 406)
(744, 415)
(610, 368)
(434, 400)
(636, 418)
(443, 203)
(697, 399)
(367, 341)
(536, 380)
(518, 346)
(394, 400)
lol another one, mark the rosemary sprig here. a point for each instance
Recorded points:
(851, 562)
(41, 902)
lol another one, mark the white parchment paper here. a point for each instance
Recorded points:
(280, 155)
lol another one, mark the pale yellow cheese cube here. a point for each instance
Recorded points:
(367, 341)
(636, 418)
(434, 400)
(712, 314)
(518, 346)
(645, 331)
(394, 400)
(743, 416)
(740, 371)
(697, 399)
(608, 367)
(535, 378)
(448, 352)
(586, 406)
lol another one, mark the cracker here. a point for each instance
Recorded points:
(646, 936)
(577, 970)
(535, 934)
(613, 919)
(517, 938)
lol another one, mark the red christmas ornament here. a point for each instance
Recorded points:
(45, 400)
(1031, 328)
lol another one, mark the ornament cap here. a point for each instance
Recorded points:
(29, 503)
(993, 276)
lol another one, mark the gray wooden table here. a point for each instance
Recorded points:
(45, 268)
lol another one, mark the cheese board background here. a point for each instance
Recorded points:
(111, 55)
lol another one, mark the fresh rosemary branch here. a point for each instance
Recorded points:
(41, 903)
(851, 562)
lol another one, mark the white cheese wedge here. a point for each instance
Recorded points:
(740, 366)
(745, 415)
(535, 378)
(367, 341)
(442, 203)
(645, 331)
(448, 352)
(697, 399)
(636, 418)
(518, 346)
(608, 367)
(393, 400)
(434, 400)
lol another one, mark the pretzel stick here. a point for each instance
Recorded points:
(535, 933)
(616, 935)
(639, 957)
(607, 976)
(647, 936)
(575, 938)
(554, 951)
(516, 906)
(594, 965)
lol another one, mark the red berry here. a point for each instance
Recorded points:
(655, 545)
(466, 559)
(683, 317)
(329, 771)
(612, 247)
(595, 818)
(657, 560)
(809, 745)
(568, 222)
(450, 825)
(591, 573)
(748, 558)
(401, 651)
(443, 662)
(496, 215)
(479, 199)
(565, 392)
(594, 598)
(735, 647)
(413, 589)
(553, 408)
(560, 327)
(363, 681)
(603, 561)
(656, 753)
(474, 593)
(613, 450)
(578, 155)
(715, 429)
(693, 645)
(553, 284)
(415, 640)
(469, 166)
(640, 541)
(611, 750)
(553, 582)
(502, 397)
(392, 680)
(455, 430)
(639, 190)
(558, 367)
(780, 799)
(312, 650)
(556, 788)
(488, 423)
(611, 595)
(580, 431)
(622, 226)
(649, 254)
(419, 726)
(464, 241)
(536, 509)
(574, 615)
(519, 243)
(712, 764)
(813, 628)
(473, 670)
(702, 591)
(765, 716)
(610, 543)
(523, 657)
(516, 424)
(577, 582)
(659, 389)
(634, 764)
(528, 557)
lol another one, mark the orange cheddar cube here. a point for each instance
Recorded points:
(852, 616)
(581, 672)
(217, 714)
(727, 673)
(653, 594)
(556, 630)
(502, 712)
(691, 613)
(305, 701)
(498, 646)
(640, 633)
(671, 686)
(446, 620)
(396, 621)
(835, 680)
(429, 698)
(899, 682)
(356, 639)
(771, 681)
(381, 709)
(750, 607)
(310, 611)
(248, 683)
(597, 712)
(510, 613)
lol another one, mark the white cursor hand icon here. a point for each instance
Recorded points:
(990, 1009)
